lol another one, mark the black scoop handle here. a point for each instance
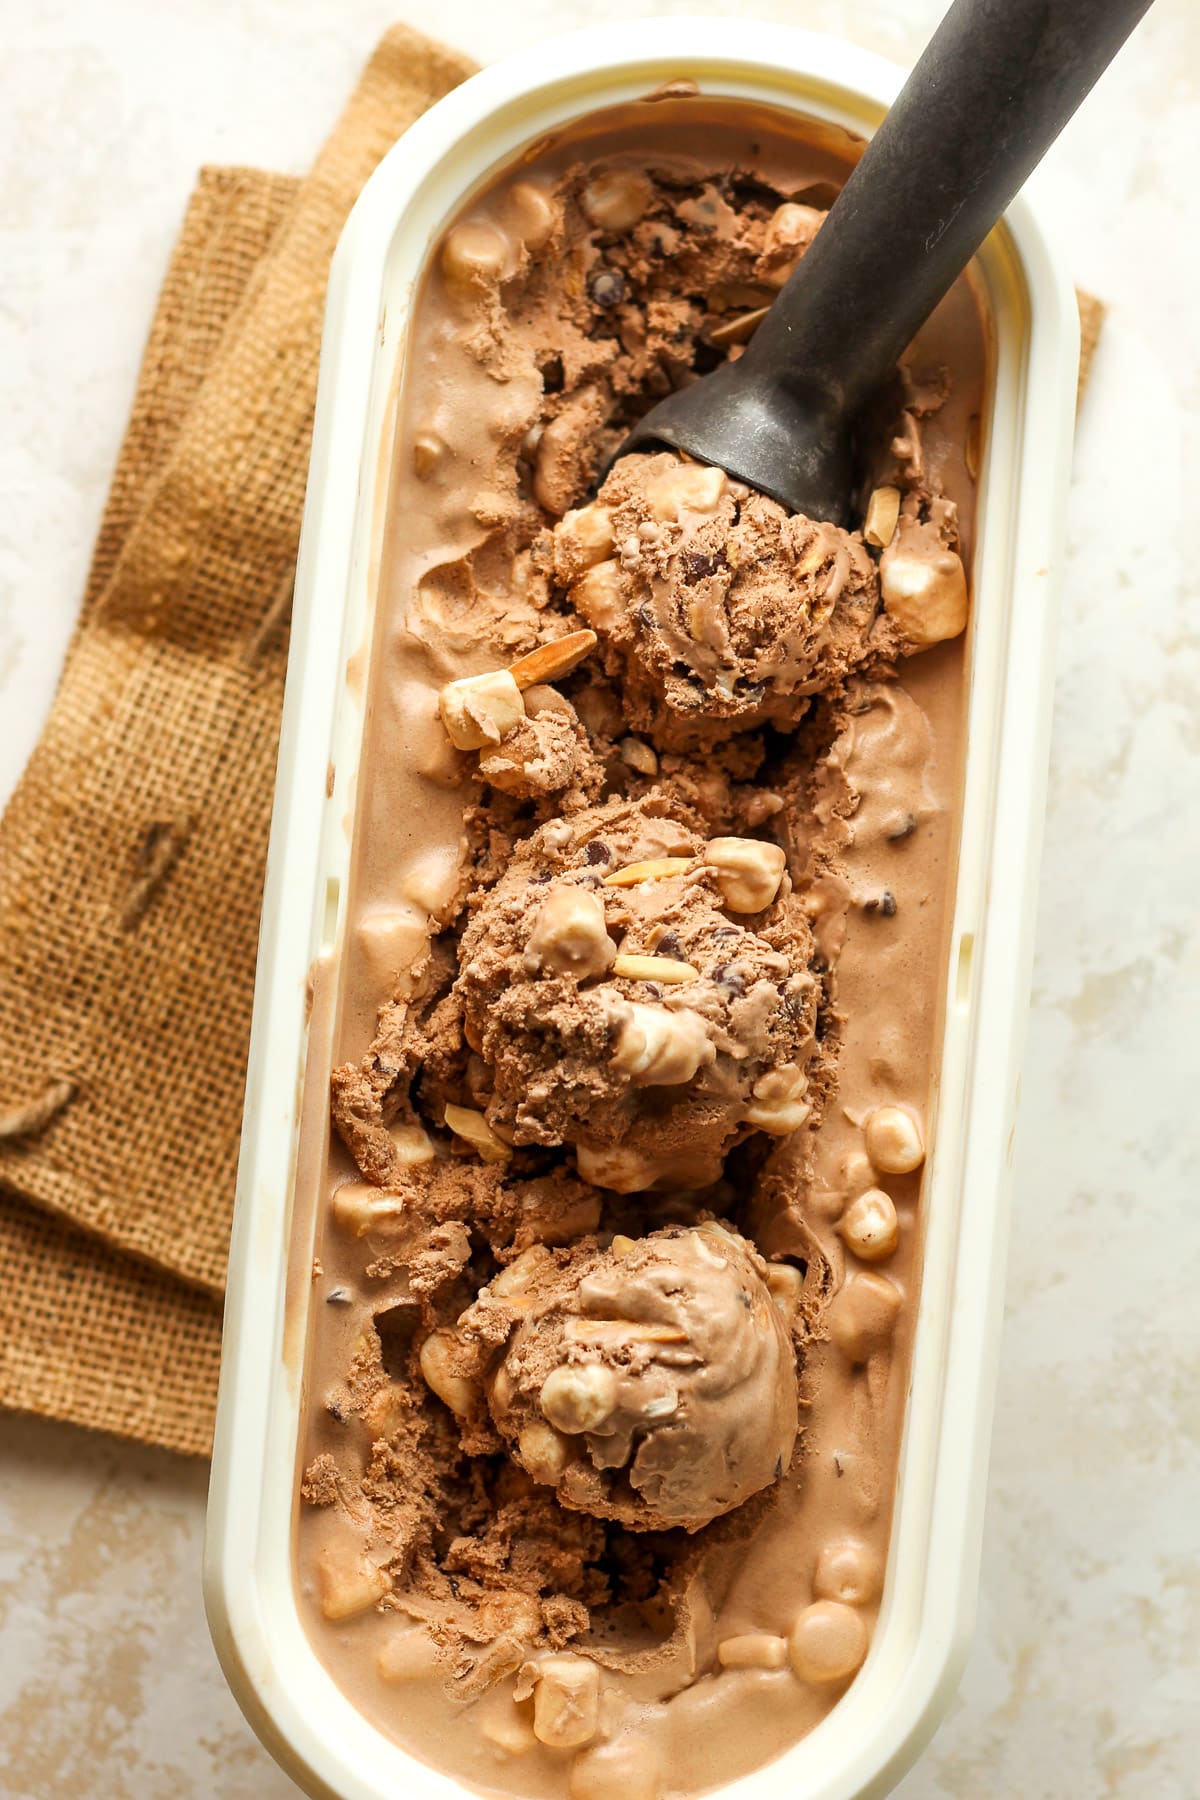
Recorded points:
(997, 83)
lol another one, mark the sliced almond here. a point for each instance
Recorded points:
(622, 1331)
(549, 662)
(474, 1129)
(653, 968)
(739, 330)
(883, 509)
(658, 868)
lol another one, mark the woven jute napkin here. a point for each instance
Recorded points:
(132, 855)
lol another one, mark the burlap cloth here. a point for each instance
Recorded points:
(132, 854)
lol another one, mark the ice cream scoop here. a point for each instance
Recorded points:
(995, 86)
(653, 1382)
(640, 993)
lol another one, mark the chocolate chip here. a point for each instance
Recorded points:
(902, 828)
(698, 564)
(668, 945)
(598, 852)
(607, 288)
(338, 1296)
(537, 879)
(646, 616)
(334, 1409)
(884, 904)
(730, 979)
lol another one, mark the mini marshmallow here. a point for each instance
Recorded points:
(692, 487)
(779, 1106)
(478, 710)
(893, 1140)
(473, 255)
(569, 935)
(566, 1701)
(863, 1316)
(924, 586)
(579, 1397)
(597, 596)
(828, 1642)
(616, 199)
(748, 871)
(869, 1226)
(660, 1048)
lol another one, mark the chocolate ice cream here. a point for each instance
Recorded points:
(716, 607)
(634, 1030)
(641, 994)
(653, 1382)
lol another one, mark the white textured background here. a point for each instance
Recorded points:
(1085, 1679)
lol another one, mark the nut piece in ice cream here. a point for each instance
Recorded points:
(653, 1061)
(667, 1369)
(599, 597)
(717, 607)
(923, 584)
(481, 709)
(473, 1129)
(883, 510)
(359, 1208)
(439, 1358)
(550, 662)
(583, 538)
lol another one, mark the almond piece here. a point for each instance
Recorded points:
(653, 968)
(739, 330)
(658, 868)
(883, 510)
(551, 661)
(474, 1129)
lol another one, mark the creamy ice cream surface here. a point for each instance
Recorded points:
(635, 1028)
(653, 1382)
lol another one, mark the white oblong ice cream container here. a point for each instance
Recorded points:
(876, 1730)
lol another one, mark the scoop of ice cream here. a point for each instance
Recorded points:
(653, 1382)
(640, 993)
(712, 599)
